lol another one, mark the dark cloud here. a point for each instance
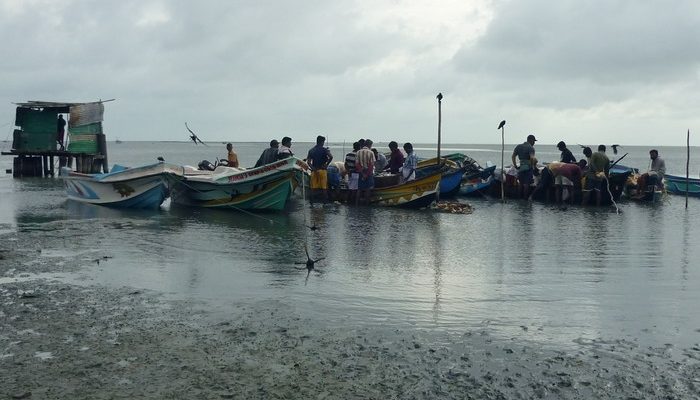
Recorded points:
(571, 53)
(255, 70)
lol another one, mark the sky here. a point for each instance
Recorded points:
(595, 71)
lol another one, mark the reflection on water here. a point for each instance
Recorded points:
(582, 272)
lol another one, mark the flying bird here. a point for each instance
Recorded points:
(502, 124)
(194, 136)
(309, 264)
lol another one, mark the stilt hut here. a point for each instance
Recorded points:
(39, 138)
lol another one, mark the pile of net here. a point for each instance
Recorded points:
(453, 207)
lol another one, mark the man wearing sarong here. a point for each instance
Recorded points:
(364, 165)
(318, 159)
(353, 175)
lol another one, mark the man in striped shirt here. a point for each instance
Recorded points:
(353, 176)
(364, 165)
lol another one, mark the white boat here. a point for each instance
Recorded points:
(139, 187)
(267, 187)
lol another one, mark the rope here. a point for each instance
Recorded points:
(607, 186)
(304, 209)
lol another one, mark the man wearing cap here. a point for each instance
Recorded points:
(269, 155)
(566, 155)
(526, 157)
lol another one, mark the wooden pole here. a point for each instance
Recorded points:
(437, 161)
(687, 170)
(502, 127)
(439, 98)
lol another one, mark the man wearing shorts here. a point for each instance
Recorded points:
(318, 159)
(525, 152)
(566, 177)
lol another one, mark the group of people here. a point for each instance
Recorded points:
(363, 162)
(590, 174)
(359, 168)
(273, 153)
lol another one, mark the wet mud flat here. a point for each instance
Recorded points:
(64, 340)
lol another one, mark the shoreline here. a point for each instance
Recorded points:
(61, 340)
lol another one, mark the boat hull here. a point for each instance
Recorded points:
(616, 186)
(450, 180)
(477, 181)
(413, 194)
(268, 194)
(264, 188)
(142, 187)
(678, 185)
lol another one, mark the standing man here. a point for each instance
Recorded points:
(566, 155)
(364, 165)
(269, 155)
(60, 131)
(318, 159)
(353, 176)
(396, 158)
(285, 150)
(655, 175)
(232, 157)
(526, 156)
(410, 164)
(596, 176)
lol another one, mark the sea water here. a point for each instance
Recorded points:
(569, 275)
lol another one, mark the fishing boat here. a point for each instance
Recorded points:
(653, 192)
(143, 187)
(477, 181)
(678, 185)
(615, 187)
(417, 193)
(267, 187)
(451, 174)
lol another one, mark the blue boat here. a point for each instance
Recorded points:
(140, 187)
(451, 178)
(475, 182)
(678, 184)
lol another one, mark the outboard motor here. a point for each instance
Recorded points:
(205, 165)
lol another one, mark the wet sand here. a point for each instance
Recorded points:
(67, 340)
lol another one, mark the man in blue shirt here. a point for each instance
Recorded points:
(318, 159)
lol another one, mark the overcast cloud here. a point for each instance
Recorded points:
(581, 71)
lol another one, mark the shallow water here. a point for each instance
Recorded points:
(532, 270)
